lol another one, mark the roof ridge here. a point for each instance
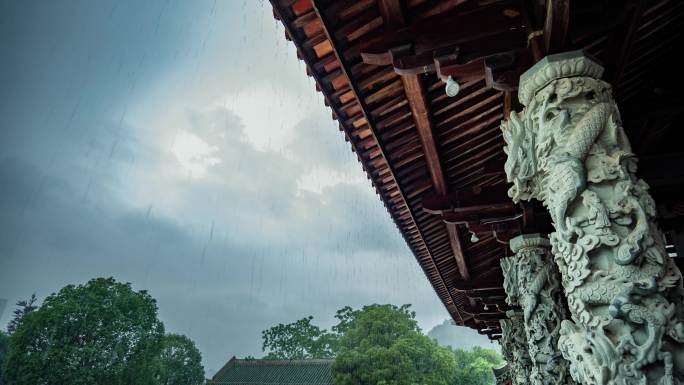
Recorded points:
(315, 371)
(261, 361)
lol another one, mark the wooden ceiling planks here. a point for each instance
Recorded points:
(412, 140)
(393, 17)
(399, 150)
(403, 150)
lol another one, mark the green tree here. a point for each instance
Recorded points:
(345, 317)
(474, 367)
(102, 332)
(298, 340)
(25, 307)
(180, 363)
(4, 346)
(382, 345)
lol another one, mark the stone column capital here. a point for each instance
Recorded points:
(553, 67)
(515, 314)
(528, 240)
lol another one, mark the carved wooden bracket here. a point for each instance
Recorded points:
(482, 210)
(487, 42)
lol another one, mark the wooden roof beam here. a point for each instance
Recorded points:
(392, 13)
(393, 17)
(473, 29)
(364, 108)
(556, 24)
(415, 93)
(621, 42)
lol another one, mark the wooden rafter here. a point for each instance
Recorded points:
(344, 66)
(393, 17)
(624, 39)
(633, 40)
(415, 93)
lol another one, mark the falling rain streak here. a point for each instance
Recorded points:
(179, 146)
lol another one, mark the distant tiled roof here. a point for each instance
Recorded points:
(274, 372)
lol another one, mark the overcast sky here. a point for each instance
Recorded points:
(180, 146)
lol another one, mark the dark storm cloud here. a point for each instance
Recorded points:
(125, 152)
(266, 183)
(265, 253)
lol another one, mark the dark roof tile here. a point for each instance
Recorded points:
(268, 372)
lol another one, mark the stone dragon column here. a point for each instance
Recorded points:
(532, 281)
(514, 347)
(567, 148)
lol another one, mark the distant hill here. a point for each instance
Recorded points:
(3, 303)
(448, 334)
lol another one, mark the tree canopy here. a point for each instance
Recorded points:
(4, 346)
(381, 345)
(24, 308)
(474, 367)
(102, 332)
(384, 346)
(298, 340)
(180, 363)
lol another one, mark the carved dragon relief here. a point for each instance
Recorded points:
(568, 149)
(514, 347)
(532, 281)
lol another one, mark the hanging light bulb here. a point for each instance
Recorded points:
(452, 87)
(473, 237)
(486, 307)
